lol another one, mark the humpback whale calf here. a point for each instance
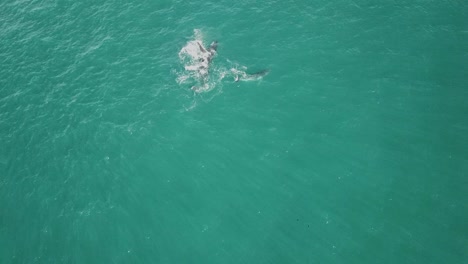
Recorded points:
(242, 76)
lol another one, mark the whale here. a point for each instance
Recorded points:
(206, 58)
(251, 77)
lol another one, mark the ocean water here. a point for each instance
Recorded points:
(352, 149)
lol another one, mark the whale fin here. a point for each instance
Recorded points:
(201, 47)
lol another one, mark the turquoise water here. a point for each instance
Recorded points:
(353, 149)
